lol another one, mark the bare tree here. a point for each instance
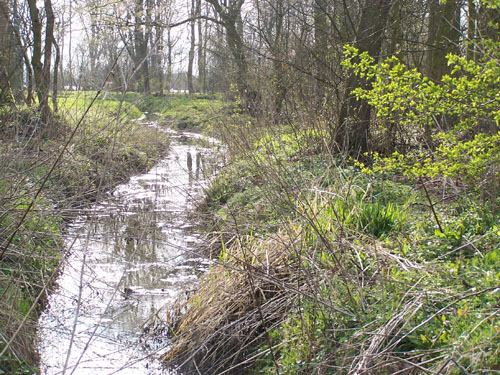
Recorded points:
(10, 57)
(201, 49)
(42, 71)
(443, 35)
(191, 48)
(230, 18)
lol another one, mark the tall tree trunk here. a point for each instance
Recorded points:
(94, 42)
(141, 47)
(29, 99)
(394, 45)
(55, 82)
(230, 17)
(158, 60)
(10, 46)
(236, 47)
(70, 47)
(352, 131)
(169, 59)
(36, 58)
(47, 54)
(147, 42)
(278, 64)
(191, 50)
(42, 73)
(443, 36)
(201, 55)
(320, 45)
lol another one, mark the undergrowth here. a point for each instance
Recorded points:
(322, 269)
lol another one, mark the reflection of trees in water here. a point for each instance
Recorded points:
(146, 277)
(189, 162)
(139, 246)
(136, 236)
(190, 168)
(198, 166)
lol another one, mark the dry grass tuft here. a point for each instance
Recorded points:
(239, 300)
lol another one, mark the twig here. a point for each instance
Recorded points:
(431, 205)
(437, 313)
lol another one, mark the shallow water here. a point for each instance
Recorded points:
(133, 254)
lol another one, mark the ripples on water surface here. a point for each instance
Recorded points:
(133, 254)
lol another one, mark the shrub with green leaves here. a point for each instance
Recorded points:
(456, 120)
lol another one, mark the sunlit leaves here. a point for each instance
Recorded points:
(453, 125)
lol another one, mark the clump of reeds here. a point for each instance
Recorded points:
(239, 299)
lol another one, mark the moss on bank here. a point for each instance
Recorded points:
(321, 269)
(109, 147)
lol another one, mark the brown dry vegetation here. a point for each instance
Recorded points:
(238, 300)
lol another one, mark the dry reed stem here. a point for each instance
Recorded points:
(222, 321)
(372, 353)
(219, 328)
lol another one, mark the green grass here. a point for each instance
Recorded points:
(184, 112)
(74, 103)
(192, 112)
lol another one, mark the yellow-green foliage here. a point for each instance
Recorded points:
(456, 121)
(185, 112)
(376, 284)
(419, 293)
(74, 104)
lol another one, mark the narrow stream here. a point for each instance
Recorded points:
(131, 255)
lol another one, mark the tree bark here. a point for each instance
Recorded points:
(41, 71)
(352, 131)
(230, 17)
(443, 36)
(55, 82)
(10, 57)
(47, 54)
(158, 59)
(141, 48)
(278, 63)
(320, 45)
(201, 55)
(191, 50)
(169, 59)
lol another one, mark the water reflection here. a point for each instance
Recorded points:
(134, 255)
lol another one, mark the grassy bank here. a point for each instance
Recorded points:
(109, 146)
(197, 112)
(323, 269)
